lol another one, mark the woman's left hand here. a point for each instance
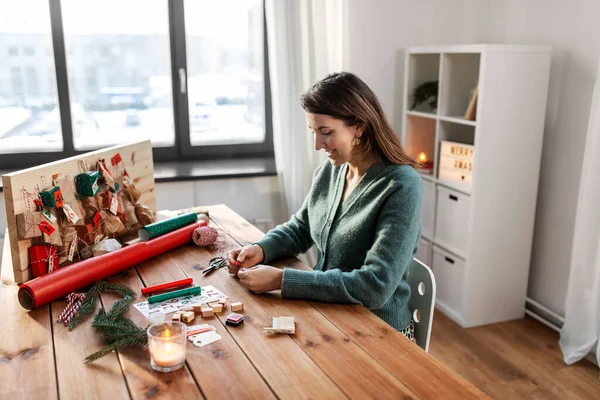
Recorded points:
(261, 278)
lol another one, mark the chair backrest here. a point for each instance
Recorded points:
(422, 300)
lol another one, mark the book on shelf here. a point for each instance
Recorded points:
(472, 108)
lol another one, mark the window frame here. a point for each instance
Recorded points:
(182, 148)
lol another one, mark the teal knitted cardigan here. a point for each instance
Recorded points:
(365, 243)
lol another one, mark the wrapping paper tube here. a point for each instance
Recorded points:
(168, 225)
(168, 285)
(43, 290)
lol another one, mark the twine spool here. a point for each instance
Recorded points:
(204, 236)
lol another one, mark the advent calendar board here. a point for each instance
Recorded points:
(58, 212)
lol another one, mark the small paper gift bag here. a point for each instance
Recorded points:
(70, 207)
(68, 251)
(106, 174)
(87, 233)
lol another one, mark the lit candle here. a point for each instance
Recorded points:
(167, 344)
(168, 355)
(422, 157)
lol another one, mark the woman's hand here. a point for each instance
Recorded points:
(247, 256)
(262, 278)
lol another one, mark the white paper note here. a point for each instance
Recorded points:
(71, 215)
(206, 338)
(209, 294)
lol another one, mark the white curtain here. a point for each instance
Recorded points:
(581, 331)
(305, 39)
(305, 44)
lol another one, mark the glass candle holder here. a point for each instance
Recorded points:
(167, 343)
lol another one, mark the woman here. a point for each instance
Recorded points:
(363, 211)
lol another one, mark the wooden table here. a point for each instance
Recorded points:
(338, 351)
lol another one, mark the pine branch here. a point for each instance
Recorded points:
(121, 306)
(139, 340)
(116, 330)
(424, 92)
(93, 295)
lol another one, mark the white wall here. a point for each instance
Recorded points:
(257, 199)
(572, 29)
(378, 31)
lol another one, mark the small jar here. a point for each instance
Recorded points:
(167, 345)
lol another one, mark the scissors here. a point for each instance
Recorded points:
(214, 264)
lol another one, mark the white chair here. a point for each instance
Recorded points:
(422, 300)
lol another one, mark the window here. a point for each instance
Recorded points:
(17, 84)
(225, 71)
(33, 88)
(119, 72)
(188, 74)
(27, 109)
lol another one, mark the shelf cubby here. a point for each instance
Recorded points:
(455, 132)
(459, 77)
(423, 68)
(420, 137)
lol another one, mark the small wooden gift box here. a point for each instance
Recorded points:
(28, 225)
(86, 184)
(43, 259)
(51, 197)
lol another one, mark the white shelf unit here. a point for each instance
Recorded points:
(477, 238)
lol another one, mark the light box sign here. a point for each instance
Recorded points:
(456, 162)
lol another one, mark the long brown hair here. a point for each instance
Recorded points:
(345, 96)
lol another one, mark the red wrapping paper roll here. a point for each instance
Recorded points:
(47, 288)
